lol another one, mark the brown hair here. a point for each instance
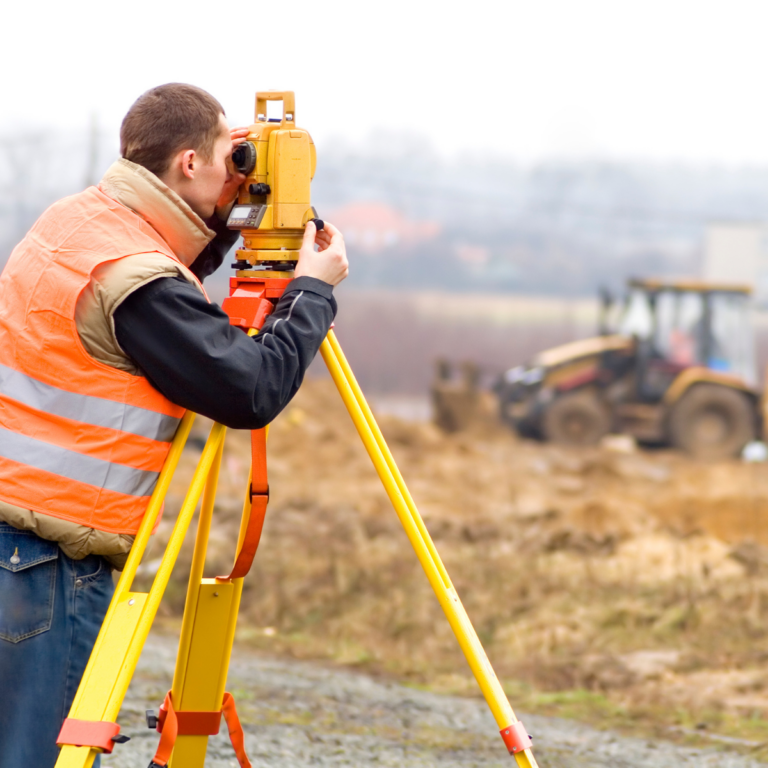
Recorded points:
(167, 119)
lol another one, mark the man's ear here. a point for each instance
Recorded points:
(188, 163)
(182, 166)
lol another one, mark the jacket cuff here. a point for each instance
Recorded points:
(311, 284)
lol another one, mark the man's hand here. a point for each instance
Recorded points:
(234, 179)
(329, 263)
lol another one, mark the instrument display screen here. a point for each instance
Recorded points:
(241, 212)
(246, 216)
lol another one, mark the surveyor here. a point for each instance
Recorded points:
(106, 337)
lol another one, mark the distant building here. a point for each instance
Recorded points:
(374, 227)
(737, 252)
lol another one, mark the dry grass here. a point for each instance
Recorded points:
(624, 589)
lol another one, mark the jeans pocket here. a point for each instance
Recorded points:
(27, 584)
(90, 568)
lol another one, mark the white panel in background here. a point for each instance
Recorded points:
(737, 253)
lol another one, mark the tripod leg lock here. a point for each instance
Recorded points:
(97, 734)
(516, 738)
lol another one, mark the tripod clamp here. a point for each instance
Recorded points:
(97, 734)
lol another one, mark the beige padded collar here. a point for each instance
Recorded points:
(140, 190)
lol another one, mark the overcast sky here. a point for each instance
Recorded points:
(622, 79)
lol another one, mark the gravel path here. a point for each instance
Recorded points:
(298, 714)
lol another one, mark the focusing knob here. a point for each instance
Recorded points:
(259, 189)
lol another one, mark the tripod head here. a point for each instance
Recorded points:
(273, 204)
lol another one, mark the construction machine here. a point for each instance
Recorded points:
(679, 369)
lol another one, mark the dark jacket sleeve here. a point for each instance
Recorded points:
(192, 355)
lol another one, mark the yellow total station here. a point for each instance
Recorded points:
(273, 205)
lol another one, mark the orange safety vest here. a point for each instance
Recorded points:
(79, 440)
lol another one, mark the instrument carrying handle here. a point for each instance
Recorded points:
(289, 104)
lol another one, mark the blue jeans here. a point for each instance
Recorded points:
(51, 609)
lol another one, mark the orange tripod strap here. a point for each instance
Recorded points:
(248, 306)
(197, 724)
(259, 500)
(168, 725)
(236, 735)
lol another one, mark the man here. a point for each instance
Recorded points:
(106, 337)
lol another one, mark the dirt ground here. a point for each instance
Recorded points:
(626, 589)
(300, 714)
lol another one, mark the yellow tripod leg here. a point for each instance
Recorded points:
(417, 533)
(130, 615)
(207, 634)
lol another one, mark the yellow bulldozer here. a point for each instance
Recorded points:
(679, 369)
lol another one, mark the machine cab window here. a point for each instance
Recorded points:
(731, 345)
(682, 325)
(679, 332)
(637, 318)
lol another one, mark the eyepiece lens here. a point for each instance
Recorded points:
(244, 157)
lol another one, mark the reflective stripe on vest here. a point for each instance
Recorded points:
(76, 466)
(86, 408)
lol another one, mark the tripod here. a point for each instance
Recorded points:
(193, 708)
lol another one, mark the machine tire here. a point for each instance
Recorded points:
(577, 418)
(712, 422)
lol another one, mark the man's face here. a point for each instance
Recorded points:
(203, 192)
